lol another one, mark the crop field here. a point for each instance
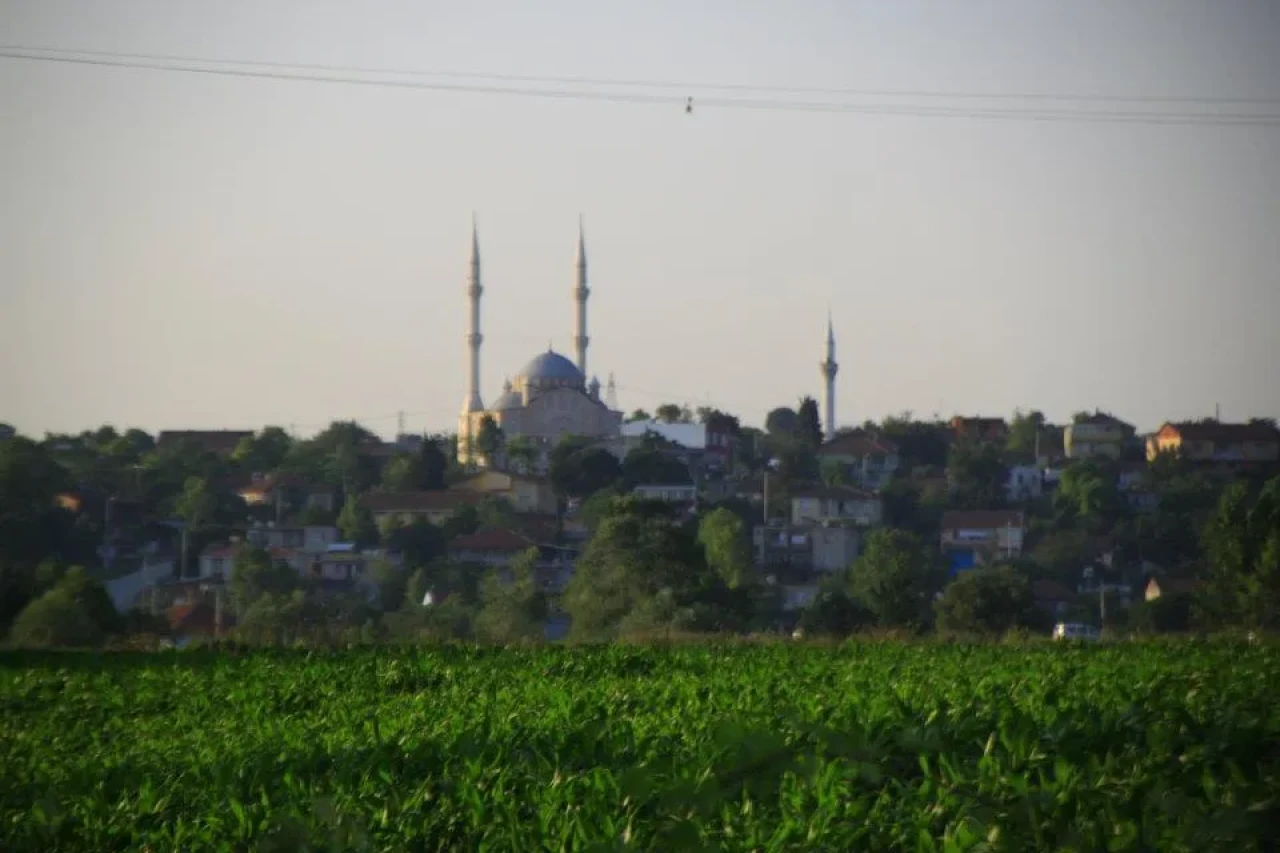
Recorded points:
(872, 746)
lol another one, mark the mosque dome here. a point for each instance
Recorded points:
(551, 368)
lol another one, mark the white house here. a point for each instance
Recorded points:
(820, 504)
(981, 536)
(311, 539)
(1025, 482)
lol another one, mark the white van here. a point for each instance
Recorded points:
(1074, 631)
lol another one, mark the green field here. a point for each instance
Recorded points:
(765, 747)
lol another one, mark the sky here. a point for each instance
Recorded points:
(185, 250)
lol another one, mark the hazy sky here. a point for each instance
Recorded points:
(185, 250)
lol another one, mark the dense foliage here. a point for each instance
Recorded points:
(770, 747)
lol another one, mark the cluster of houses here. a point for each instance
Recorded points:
(821, 531)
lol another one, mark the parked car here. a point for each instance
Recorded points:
(1075, 631)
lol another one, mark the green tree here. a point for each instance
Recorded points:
(513, 607)
(780, 421)
(255, 575)
(391, 582)
(496, 513)
(522, 452)
(895, 578)
(418, 543)
(638, 567)
(647, 465)
(489, 438)
(356, 522)
(579, 469)
(987, 601)
(977, 475)
(725, 541)
(1024, 429)
(638, 415)
(76, 612)
(1088, 492)
(673, 413)
(834, 613)
(808, 426)
(265, 451)
(1242, 546)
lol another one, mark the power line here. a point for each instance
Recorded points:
(984, 113)
(674, 85)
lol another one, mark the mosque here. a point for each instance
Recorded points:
(550, 397)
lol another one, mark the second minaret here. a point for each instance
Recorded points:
(580, 294)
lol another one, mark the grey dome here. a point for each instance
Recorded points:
(551, 367)
(509, 400)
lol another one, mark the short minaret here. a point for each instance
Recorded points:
(829, 370)
(580, 294)
(472, 402)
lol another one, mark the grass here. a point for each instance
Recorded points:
(867, 746)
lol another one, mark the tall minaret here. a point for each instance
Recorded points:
(580, 294)
(829, 370)
(472, 403)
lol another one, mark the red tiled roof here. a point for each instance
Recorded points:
(981, 519)
(856, 444)
(420, 501)
(500, 540)
(1224, 433)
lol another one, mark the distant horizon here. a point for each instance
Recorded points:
(1069, 204)
(390, 435)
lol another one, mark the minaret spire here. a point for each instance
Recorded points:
(472, 402)
(829, 370)
(580, 294)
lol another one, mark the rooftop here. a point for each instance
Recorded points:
(982, 519)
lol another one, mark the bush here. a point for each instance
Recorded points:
(987, 601)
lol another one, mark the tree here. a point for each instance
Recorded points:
(513, 607)
(1242, 545)
(29, 480)
(726, 544)
(920, 443)
(673, 413)
(637, 571)
(76, 612)
(638, 415)
(265, 451)
(1024, 429)
(579, 469)
(256, 575)
(522, 453)
(489, 438)
(495, 513)
(977, 475)
(895, 578)
(1088, 491)
(401, 473)
(987, 601)
(645, 465)
(808, 426)
(833, 612)
(391, 581)
(418, 543)
(780, 421)
(356, 522)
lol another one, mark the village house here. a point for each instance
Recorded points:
(838, 504)
(866, 461)
(977, 537)
(525, 494)
(1233, 445)
(1100, 434)
(436, 506)
(979, 429)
